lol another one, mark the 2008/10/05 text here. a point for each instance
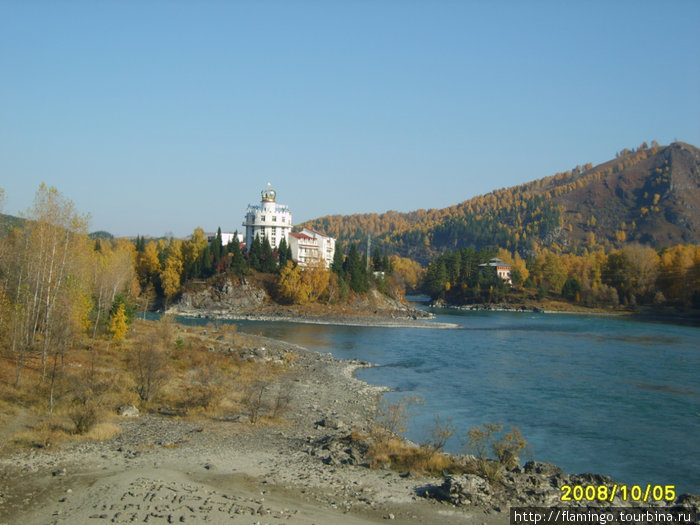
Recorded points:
(641, 493)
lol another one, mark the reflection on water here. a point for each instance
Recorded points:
(590, 393)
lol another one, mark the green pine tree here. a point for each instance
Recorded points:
(338, 260)
(268, 264)
(238, 262)
(356, 269)
(283, 256)
(217, 248)
(255, 253)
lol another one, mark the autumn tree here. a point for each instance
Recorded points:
(192, 251)
(290, 286)
(46, 253)
(45, 294)
(632, 271)
(112, 273)
(148, 264)
(118, 323)
(316, 277)
(297, 285)
(171, 275)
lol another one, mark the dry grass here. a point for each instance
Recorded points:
(206, 379)
(399, 455)
(46, 435)
(103, 432)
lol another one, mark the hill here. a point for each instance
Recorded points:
(8, 222)
(647, 195)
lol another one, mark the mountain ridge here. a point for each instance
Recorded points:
(648, 195)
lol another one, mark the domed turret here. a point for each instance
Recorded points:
(268, 220)
(269, 194)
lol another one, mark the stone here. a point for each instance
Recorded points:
(466, 489)
(542, 468)
(128, 410)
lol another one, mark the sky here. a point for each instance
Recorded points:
(158, 117)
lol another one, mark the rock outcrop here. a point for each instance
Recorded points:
(536, 484)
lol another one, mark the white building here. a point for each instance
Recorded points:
(226, 237)
(502, 269)
(309, 245)
(269, 220)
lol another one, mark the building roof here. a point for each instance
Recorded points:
(495, 262)
(317, 233)
(299, 235)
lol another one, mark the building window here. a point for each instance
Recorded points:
(262, 218)
(274, 218)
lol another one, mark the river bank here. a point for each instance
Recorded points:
(304, 468)
(387, 321)
(165, 469)
(241, 300)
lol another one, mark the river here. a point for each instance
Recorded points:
(608, 395)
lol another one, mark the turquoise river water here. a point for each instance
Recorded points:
(607, 395)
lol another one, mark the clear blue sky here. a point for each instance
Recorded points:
(160, 117)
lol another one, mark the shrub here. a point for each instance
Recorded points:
(391, 418)
(83, 416)
(505, 449)
(149, 362)
(253, 399)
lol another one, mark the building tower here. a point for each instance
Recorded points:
(269, 220)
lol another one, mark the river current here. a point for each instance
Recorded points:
(607, 395)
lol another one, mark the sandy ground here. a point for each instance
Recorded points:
(162, 469)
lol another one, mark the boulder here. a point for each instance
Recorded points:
(465, 489)
(128, 410)
(542, 468)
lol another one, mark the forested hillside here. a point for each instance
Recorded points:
(649, 195)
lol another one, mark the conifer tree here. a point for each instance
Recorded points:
(217, 248)
(238, 263)
(338, 259)
(255, 253)
(268, 264)
(283, 254)
(118, 323)
(377, 262)
(356, 270)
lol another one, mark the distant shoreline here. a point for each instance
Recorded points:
(350, 320)
(691, 316)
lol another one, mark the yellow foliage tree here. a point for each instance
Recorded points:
(409, 270)
(301, 286)
(118, 324)
(316, 278)
(147, 263)
(291, 287)
(171, 275)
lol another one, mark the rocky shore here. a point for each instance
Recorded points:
(243, 301)
(307, 469)
(487, 307)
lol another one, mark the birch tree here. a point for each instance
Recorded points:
(44, 254)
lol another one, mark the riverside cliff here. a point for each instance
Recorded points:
(238, 298)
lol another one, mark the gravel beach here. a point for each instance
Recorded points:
(164, 469)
